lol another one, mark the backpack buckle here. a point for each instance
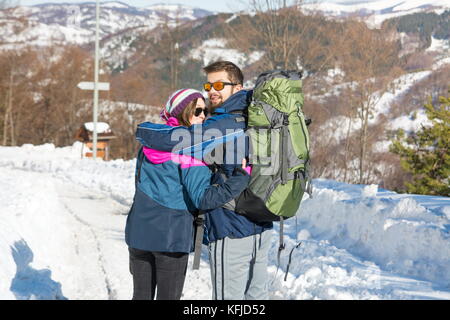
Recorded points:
(285, 120)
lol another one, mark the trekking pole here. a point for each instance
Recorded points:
(280, 248)
(198, 242)
(290, 257)
(292, 250)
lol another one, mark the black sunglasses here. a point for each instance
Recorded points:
(200, 110)
(218, 85)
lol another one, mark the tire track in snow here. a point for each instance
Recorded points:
(112, 295)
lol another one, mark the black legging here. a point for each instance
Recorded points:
(165, 271)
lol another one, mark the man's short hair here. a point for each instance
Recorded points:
(233, 71)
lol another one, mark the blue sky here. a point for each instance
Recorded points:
(212, 5)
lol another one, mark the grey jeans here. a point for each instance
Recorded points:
(164, 271)
(239, 267)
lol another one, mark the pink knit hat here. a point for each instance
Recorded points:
(178, 101)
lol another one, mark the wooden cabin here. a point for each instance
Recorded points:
(86, 135)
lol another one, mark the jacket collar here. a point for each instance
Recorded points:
(237, 102)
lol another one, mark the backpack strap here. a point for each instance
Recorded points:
(137, 177)
(281, 247)
(308, 180)
(284, 149)
(140, 160)
(199, 231)
(292, 250)
(289, 262)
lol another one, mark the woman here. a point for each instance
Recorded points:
(169, 190)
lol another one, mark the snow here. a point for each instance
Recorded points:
(407, 5)
(337, 128)
(168, 7)
(398, 87)
(377, 11)
(62, 236)
(233, 17)
(101, 127)
(115, 4)
(376, 6)
(216, 49)
(412, 122)
(51, 24)
(439, 45)
(41, 34)
(408, 235)
(441, 63)
(376, 20)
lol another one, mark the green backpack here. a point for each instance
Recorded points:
(279, 152)
(279, 149)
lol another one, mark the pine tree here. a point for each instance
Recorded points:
(426, 153)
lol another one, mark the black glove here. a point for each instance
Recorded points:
(238, 171)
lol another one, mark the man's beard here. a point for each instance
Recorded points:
(212, 106)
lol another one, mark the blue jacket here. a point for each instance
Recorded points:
(225, 127)
(169, 189)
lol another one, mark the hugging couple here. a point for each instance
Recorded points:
(171, 189)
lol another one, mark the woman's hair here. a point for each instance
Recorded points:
(185, 116)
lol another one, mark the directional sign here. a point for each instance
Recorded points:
(102, 86)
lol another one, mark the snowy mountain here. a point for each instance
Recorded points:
(62, 236)
(50, 23)
(375, 12)
(380, 7)
(75, 23)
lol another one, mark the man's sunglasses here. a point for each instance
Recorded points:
(198, 111)
(218, 86)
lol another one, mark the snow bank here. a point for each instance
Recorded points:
(406, 234)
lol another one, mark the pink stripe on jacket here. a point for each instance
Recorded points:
(158, 157)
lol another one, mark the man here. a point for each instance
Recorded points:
(238, 248)
(228, 74)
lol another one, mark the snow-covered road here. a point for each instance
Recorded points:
(62, 236)
(73, 232)
(97, 219)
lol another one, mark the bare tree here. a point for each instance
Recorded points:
(289, 38)
(10, 65)
(369, 60)
(73, 66)
(39, 100)
(7, 118)
(132, 91)
(170, 46)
